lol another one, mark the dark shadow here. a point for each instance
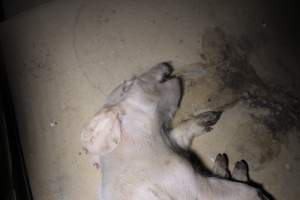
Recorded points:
(14, 178)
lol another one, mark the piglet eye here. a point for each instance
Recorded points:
(166, 77)
(163, 79)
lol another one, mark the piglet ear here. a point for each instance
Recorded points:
(103, 134)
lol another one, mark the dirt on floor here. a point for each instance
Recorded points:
(259, 120)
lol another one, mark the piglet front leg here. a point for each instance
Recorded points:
(186, 131)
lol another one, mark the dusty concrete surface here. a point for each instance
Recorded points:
(65, 56)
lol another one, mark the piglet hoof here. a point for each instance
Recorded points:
(208, 119)
(240, 171)
(220, 167)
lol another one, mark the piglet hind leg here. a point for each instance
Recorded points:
(238, 183)
(240, 173)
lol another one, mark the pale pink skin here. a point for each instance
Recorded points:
(125, 140)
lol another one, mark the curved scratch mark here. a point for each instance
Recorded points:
(74, 33)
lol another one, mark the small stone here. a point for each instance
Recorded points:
(52, 124)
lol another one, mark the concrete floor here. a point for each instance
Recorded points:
(65, 56)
